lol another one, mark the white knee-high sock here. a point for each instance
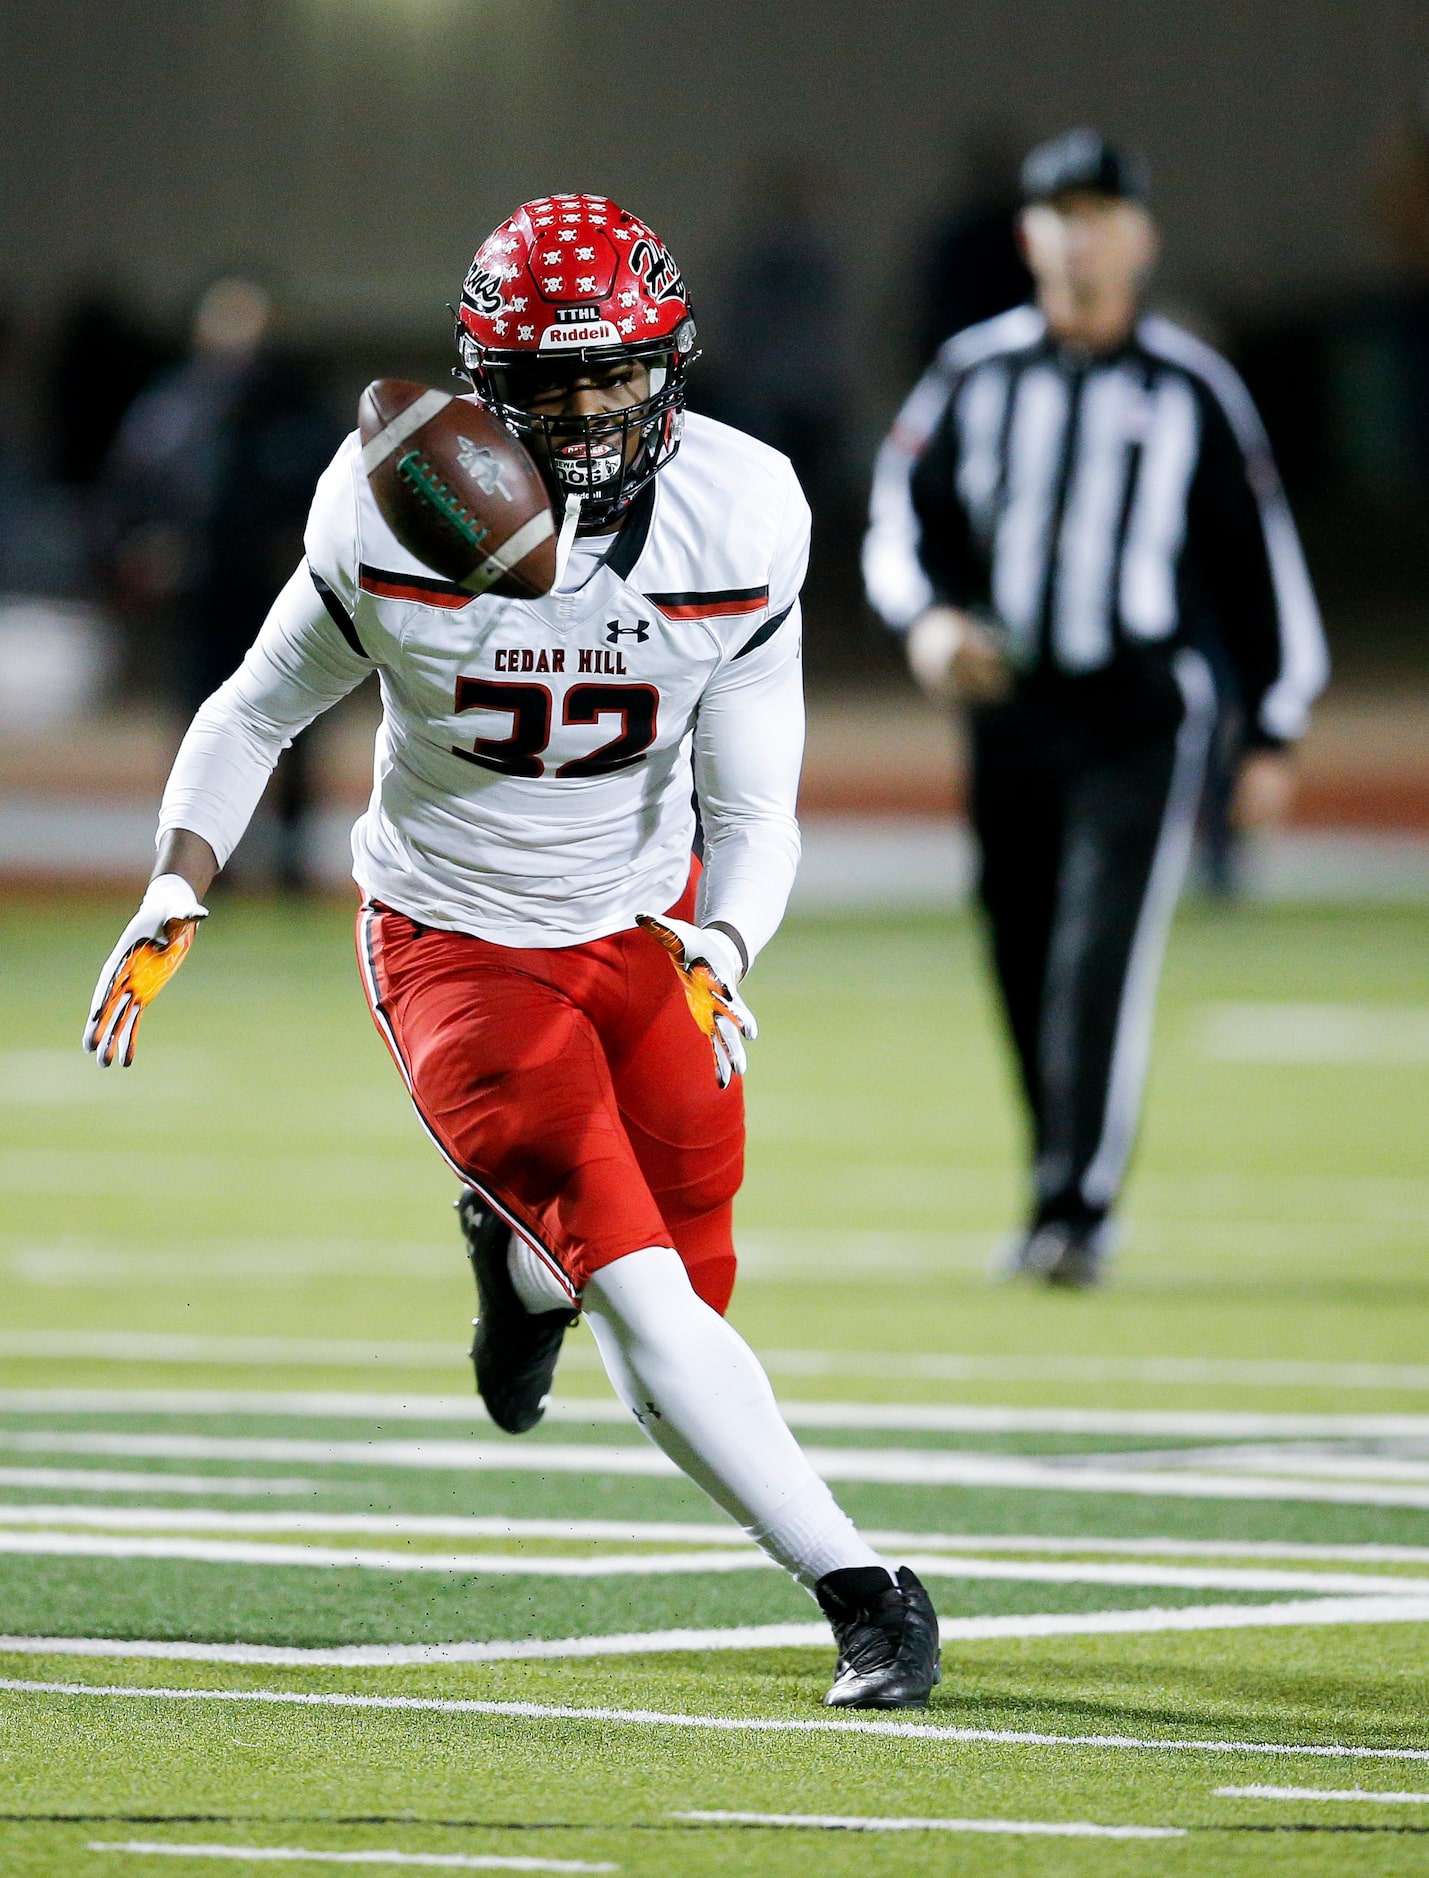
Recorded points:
(698, 1391)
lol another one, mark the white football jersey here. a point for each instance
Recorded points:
(537, 762)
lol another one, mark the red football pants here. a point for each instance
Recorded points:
(570, 1087)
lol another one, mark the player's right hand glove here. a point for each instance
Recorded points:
(707, 962)
(150, 950)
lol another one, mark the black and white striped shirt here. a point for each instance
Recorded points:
(1093, 505)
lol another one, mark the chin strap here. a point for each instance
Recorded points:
(566, 540)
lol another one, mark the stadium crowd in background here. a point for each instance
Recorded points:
(207, 488)
(972, 264)
(785, 281)
(1342, 381)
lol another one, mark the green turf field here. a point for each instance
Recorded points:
(1178, 1533)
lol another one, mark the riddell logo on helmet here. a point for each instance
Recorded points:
(588, 333)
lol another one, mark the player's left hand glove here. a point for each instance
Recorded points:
(708, 964)
(150, 950)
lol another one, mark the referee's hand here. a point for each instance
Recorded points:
(953, 657)
(1265, 790)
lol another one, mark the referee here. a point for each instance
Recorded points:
(1077, 523)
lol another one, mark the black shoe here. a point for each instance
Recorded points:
(887, 1636)
(514, 1350)
(1061, 1252)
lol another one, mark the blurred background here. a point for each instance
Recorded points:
(218, 222)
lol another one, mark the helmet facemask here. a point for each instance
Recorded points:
(605, 458)
(572, 286)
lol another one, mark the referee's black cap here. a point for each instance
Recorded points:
(1084, 159)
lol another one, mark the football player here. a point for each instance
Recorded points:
(533, 800)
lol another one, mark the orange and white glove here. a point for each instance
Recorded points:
(708, 964)
(150, 950)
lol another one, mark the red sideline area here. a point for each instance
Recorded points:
(1365, 765)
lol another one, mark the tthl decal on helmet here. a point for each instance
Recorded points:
(570, 288)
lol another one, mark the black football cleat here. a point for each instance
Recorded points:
(1081, 1265)
(1060, 1252)
(887, 1636)
(514, 1351)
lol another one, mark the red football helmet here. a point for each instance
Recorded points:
(574, 280)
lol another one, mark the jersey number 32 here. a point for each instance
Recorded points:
(529, 707)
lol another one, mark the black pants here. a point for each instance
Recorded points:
(1084, 799)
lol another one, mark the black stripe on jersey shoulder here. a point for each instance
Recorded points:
(765, 632)
(422, 582)
(338, 614)
(715, 597)
(629, 544)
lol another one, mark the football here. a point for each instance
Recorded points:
(457, 489)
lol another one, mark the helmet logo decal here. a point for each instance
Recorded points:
(482, 291)
(656, 267)
(483, 467)
(571, 282)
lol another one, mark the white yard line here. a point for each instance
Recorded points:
(128, 1346)
(361, 1558)
(651, 1532)
(1322, 1793)
(1275, 1457)
(1368, 1554)
(1203, 1424)
(1309, 1612)
(397, 1525)
(458, 1456)
(1312, 1033)
(400, 1655)
(1175, 1371)
(270, 1553)
(1034, 1828)
(141, 1346)
(103, 1480)
(291, 1854)
(596, 1411)
(1084, 1474)
(715, 1724)
(886, 1466)
(320, 1404)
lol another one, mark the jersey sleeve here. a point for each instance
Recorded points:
(330, 545)
(1255, 571)
(916, 525)
(790, 561)
(307, 656)
(748, 751)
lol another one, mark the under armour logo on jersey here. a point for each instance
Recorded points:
(615, 632)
